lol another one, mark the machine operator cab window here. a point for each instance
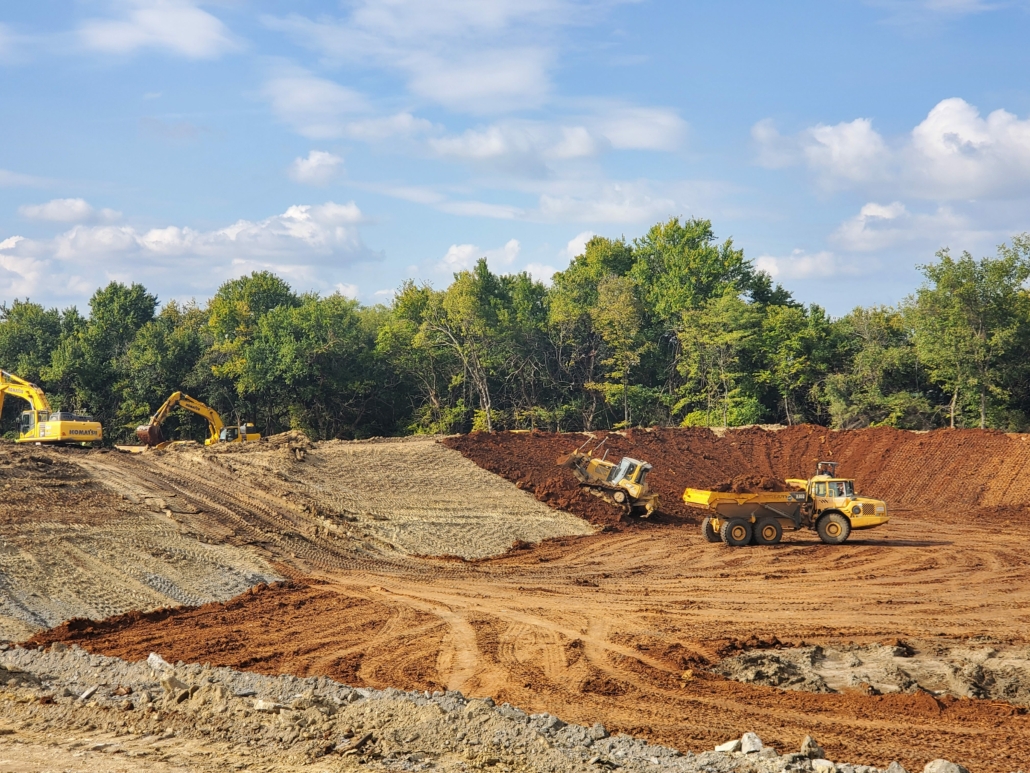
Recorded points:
(28, 422)
(626, 469)
(832, 493)
(229, 434)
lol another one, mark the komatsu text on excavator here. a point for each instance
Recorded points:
(42, 424)
(151, 435)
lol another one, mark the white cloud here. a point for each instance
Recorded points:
(306, 243)
(402, 124)
(919, 12)
(461, 257)
(480, 209)
(953, 154)
(347, 290)
(803, 265)
(178, 26)
(607, 202)
(315, 107)
(319, 168)
(470, 56)
(878, 227)
(66, 211)
(577, 245)
(518, 145)
(541, 272)
(630, 127)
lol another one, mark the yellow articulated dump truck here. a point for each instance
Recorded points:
(825, 503)
(42, 424)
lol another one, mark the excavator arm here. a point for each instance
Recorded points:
(151, 434)
(19, 387)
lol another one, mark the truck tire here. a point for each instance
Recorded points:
(833, 528)
(736, 532)
(709, 531)
(768, 532)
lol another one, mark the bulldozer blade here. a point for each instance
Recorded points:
(149, 434)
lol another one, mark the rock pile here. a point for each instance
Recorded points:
(294, 721)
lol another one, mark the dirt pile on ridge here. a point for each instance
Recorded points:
(949, 469)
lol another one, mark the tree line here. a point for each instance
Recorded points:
(671, 328)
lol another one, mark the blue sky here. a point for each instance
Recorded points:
(348, 146)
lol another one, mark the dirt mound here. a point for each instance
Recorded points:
(952, 470)
(746, 483)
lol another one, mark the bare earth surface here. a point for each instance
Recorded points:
(627, 627)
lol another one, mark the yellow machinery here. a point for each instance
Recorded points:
(41, 424)
(825, 503)
(623, 485)
(151, 435)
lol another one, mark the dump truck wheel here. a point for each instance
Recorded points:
(709, 531)
(736, 532)
(768, 532)
(833, 528)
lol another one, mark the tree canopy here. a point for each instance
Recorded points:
(673, 328)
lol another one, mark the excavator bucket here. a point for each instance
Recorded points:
(150, 434)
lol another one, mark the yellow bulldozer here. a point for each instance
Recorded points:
(623, 484)
(42, 424)
(151, 435)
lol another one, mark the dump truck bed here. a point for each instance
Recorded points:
(728, 504)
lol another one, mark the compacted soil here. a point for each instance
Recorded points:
(637, 625)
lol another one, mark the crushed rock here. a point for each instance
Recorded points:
(298, 721)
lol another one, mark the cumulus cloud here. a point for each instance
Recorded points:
(879, 227)
(953, 154)
(177, 26)
(319, 168)
(577, 245)
(803, 265)
(461, 257)
(306, 243)
(66, 211)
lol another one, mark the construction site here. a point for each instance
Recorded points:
(453, 602)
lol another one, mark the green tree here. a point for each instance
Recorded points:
(969, 317)
(618, 317)
(717, 340)
(879, 380)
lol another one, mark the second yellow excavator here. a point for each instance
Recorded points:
(151, 434)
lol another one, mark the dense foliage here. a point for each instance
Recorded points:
(673, 328)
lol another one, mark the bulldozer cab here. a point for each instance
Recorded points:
(629, 470)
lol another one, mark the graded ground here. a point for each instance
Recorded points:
(626, 626)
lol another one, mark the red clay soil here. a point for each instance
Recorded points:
(955, 468)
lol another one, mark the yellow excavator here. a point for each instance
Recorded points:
(151, 435)
(42, 424)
